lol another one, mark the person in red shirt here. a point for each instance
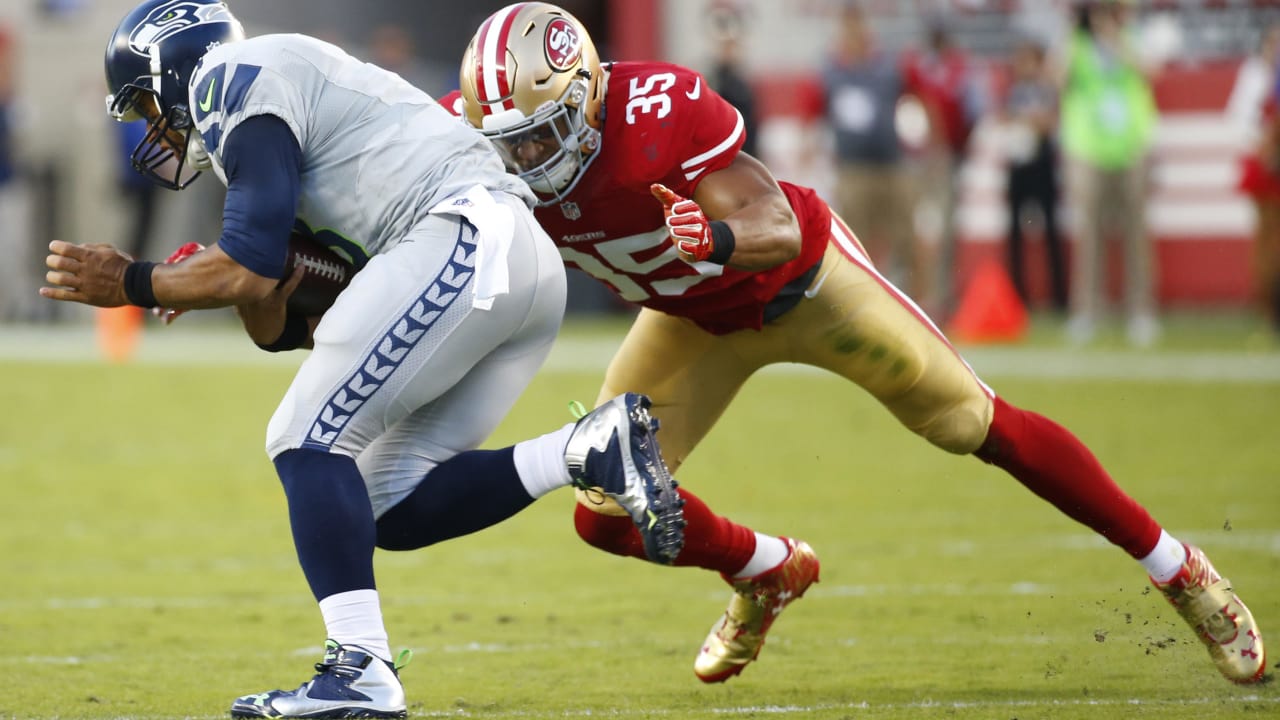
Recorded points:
(946, 83)
(1252, 108)
(642, 184)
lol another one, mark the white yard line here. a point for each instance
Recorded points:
(1260, 541)
(204, 344)
(944, 706)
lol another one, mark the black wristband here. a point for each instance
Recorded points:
(137, 284)
(292, 337)
(722, 242)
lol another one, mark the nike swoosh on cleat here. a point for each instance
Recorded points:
(697, 90)
(812, 292)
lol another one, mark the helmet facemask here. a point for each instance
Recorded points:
(150, 61)
(170, 141)
(551, 149)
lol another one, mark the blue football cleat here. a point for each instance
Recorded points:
(349, 683)
(613, 451)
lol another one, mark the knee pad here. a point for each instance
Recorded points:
(962, 427)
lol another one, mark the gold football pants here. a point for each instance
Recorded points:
(851, 321)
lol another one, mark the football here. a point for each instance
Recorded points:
(327, 274)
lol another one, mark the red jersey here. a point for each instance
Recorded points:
(663, 124)
(943, 84)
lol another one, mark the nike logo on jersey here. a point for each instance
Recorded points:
(697, 89)
(207, 102)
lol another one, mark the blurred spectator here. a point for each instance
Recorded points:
(62, 9)
(1252, 111)
(137, 192)
(1030, 115)
(391, 47)
(953, 94)
(874, 192)
(8, 164)
(14, 285)
(726, 76)
(1254, 87)
(1108, 118)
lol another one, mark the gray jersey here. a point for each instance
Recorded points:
(377, 153)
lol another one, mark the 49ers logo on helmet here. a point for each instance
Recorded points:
(564, 46)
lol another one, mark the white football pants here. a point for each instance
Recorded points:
(408, 370)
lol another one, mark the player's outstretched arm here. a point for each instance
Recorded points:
(101, 275)
(747, 202)
(207, 280)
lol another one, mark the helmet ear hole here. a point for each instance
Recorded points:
(179, 118)
(577, 93)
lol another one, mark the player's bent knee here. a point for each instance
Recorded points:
(598, 503)
(961, 429)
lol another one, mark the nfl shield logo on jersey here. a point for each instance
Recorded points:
(570, 210)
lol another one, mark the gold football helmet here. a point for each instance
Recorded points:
(531, 81)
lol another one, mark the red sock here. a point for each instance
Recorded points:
(1054, 464)
(710, 541)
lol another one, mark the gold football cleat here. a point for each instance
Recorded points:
(737, 637)
(1210, 606)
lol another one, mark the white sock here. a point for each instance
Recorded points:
(355, 618)
(540, 462)
(770, 553)
(1166, 559)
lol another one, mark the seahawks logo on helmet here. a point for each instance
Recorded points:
(171, 18)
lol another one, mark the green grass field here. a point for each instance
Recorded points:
(148, 570)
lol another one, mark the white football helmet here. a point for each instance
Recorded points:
(532, 83)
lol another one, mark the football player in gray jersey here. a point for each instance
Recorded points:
(457, 299)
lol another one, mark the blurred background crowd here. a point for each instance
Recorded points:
(1107, 161)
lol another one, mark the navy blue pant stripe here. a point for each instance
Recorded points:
(390, 350)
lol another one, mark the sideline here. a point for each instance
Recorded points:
(578, 350)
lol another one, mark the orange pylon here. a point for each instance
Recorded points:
(119, 330)
(990, 310)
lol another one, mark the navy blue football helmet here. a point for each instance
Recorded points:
(150, 61)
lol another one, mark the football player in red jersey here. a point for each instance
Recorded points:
(642, 184)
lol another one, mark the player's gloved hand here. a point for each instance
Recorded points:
(690, 230)
(168, 315)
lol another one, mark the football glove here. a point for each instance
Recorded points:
(168, 315)
(688, 225)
